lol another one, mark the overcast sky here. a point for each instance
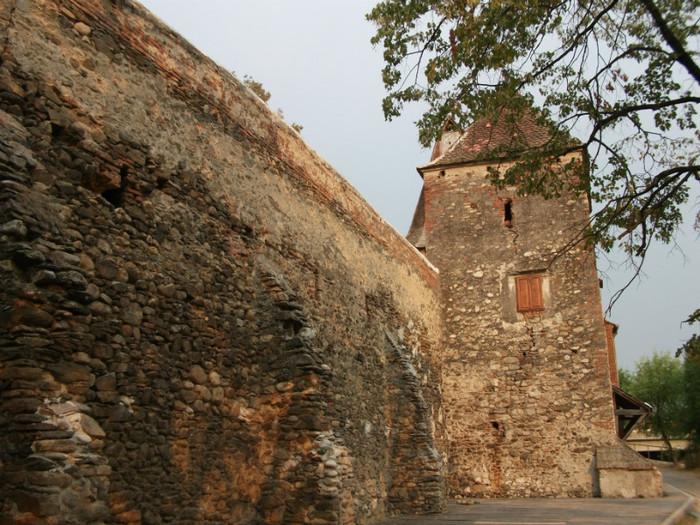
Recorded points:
(315, 57)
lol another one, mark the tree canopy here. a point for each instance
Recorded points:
(620, 75)
(691, 353)
(660, 380)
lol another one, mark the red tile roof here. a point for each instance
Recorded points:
(487, 134)
(482, 136)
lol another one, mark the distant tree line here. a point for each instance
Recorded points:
(671, 385)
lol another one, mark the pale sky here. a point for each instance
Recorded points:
(316, 59)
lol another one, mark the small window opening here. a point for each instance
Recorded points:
(56, 130)
(508, 213)
(115, 196)
(61, 134)
(368, 307)
(292, 326)
(495, 425)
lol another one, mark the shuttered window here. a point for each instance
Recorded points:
(529, 292)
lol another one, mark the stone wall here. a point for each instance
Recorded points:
(527, 396)
(200, 320)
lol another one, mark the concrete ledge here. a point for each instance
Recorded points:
(625, 474)
(681, 511)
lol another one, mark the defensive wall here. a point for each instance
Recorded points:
(201, 321)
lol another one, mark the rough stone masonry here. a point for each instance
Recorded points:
(526, 385)
(200, 320)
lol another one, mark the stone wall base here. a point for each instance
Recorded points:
(625, 474)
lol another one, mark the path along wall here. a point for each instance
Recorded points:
(200, 320)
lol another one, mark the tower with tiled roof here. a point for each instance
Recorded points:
(526, 384)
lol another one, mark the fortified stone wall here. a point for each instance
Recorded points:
(527, 396)
(200, 320)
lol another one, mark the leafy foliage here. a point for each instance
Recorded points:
(625, 377)
(691, 351)
(619, 74)
(691, 348)
(660, 381)
(257, 88)
(692, 385)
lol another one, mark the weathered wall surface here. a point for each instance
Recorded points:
(200, 320)
(527, 396)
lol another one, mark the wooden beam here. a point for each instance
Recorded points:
(630, 412)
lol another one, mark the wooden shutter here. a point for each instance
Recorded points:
(528, 289)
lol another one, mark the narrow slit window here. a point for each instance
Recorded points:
(115, 196)
(508, 213)
(528, 289)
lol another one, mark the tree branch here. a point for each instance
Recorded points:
(658, 184)
(627, 110)
(629, 51)
(575, 42)
(672, 40)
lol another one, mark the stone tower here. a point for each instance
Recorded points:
(526, 383)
